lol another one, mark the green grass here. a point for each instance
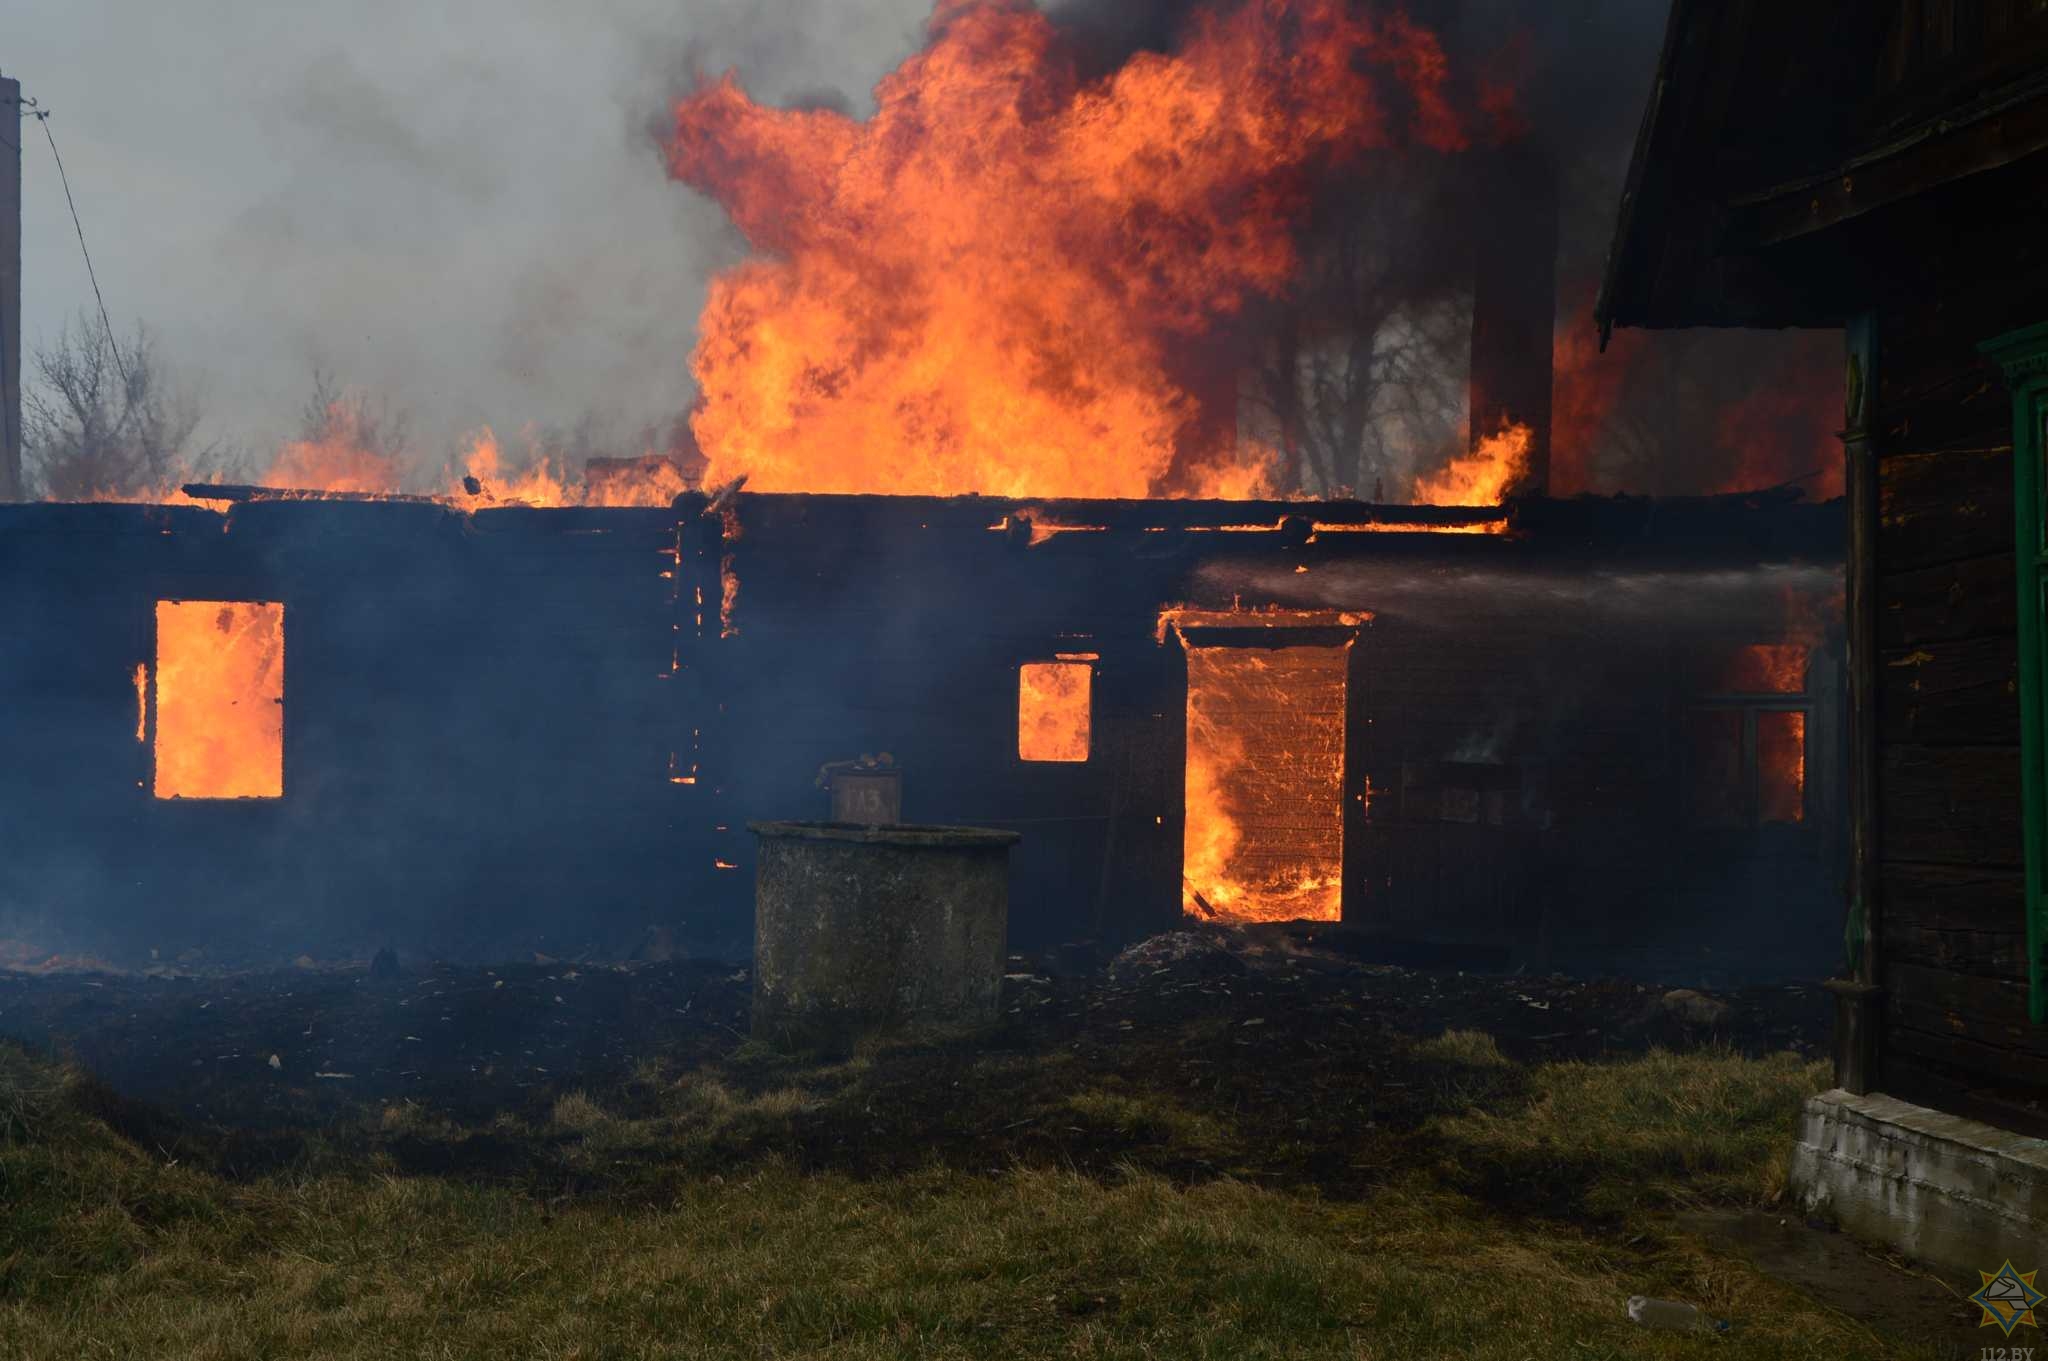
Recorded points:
(109, 1249)
(1657, 1132)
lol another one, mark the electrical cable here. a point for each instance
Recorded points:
(43, 116)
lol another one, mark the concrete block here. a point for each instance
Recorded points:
(1954, 1193)
(861, 929)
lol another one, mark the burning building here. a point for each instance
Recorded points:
(986, 493)
(1566, 729)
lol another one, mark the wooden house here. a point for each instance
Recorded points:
(1597, 734)
(1881, 166)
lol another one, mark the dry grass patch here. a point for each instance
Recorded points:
(107, 1250)
(1656, 1131)
(1148, 1118)
(1473, 1048)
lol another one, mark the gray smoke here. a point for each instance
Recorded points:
(459, 207)
(454, 206)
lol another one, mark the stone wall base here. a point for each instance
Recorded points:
(1951, 1192)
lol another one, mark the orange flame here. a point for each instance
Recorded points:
(1781, 428)
(141, 701)
(339, 460)
(992, 284)
(649, 481)
(533, 485)
(728, 576)
(1787, 430)
(1264, 837)
(485, 479)
(219, 699)
(1763, 669)
(1052, 710)
(1585, 388)
(1483, 477)
(1781, 766)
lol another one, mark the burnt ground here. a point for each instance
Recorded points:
(1302, 1044)
(1295, 1036)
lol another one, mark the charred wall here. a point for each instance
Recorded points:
(1539, 682)
(472, 728)
(1960, 267)
(517, 729)
(1521, 716)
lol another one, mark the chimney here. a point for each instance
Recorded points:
(10, 290)
(1514, 301)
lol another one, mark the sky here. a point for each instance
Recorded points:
(458, 206)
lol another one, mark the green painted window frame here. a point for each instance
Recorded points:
(2024, 357)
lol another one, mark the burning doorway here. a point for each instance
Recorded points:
(1264, 801)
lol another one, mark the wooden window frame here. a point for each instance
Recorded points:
(2023, 355)
(1747, 703)
(1749, 707)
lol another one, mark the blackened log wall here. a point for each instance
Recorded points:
(475, 734)
(521, 730)
(1951, 934)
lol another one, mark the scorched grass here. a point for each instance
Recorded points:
(109, 1248)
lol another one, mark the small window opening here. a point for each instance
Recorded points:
(1781, 766)
(219, 699)
(1745, 737)
(1052, 710)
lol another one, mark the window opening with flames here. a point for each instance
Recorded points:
(1264, 837)
(219, 681)
(1746, 737)
(1052, 710)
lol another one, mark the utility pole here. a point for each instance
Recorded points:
(10, 290)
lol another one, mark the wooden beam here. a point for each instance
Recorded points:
(1938, 152)
(1858, 998)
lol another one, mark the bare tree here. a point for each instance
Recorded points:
(333, 412)
(1708, 410)
(101, 419)
(1366, 366)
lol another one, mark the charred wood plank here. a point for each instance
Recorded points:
(1936, 508)
(1990, 1011)
(1950, 693)
(1989, 954)
(1956, 1083)
(1950, 805)
(240, 492)
(1972, 598)
(1951, 898)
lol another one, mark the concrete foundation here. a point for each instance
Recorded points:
(860, 929)
(1953, 1193)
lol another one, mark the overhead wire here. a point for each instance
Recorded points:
(30, 109)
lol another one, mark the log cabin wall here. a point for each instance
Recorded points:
(1951, 933)
(1534, 783)
(1519, 750)
(1882, 166)
(524, 729)
(474, 733)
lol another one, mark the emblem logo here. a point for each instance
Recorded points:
(2007, 1298)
